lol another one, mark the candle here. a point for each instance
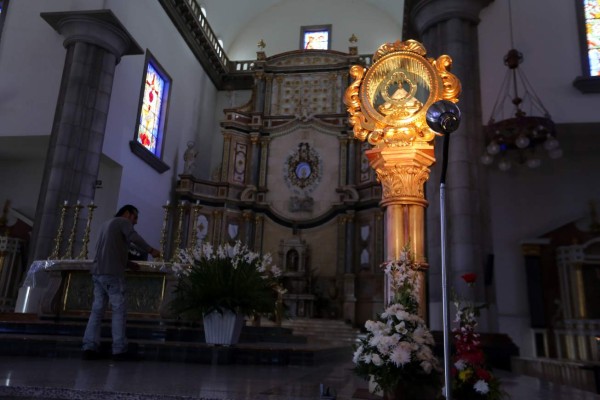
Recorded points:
(197, 202)
(66, 202)
(92, 203)
(168, 202)
(78, 202)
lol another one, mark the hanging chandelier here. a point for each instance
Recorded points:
(520, 130)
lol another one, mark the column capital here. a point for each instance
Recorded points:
(402, 172)
(97, 27)
(426, 13)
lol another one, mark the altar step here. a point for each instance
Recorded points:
(318, 330)
(167, 341)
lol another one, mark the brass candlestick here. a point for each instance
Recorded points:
(194, 240)
(59, 232)
(69, 253)
(163, 232)
(86, 235)
(177, 243)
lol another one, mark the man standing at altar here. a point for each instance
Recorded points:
(108, 277)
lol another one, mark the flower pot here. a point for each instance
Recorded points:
(373, 387)
(223, 329)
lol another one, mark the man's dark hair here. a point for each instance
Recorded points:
(126, 208)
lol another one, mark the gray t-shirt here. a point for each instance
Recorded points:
(113, 245)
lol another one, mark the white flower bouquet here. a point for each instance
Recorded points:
(223, 278)
(397, 349)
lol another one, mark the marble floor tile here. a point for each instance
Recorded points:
(45, 378)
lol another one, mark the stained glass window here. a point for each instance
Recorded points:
(592, 30)
(315, 37)
(152, 114)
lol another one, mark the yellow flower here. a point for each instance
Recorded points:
(465, 374)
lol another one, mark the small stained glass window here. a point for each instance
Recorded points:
(592, 29)
(315, 37)
(149, 133)
(152, 114)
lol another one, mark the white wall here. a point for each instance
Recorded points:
(31, 60)
(545, 31)
(19, 191)
(280, 25)
(527, 203)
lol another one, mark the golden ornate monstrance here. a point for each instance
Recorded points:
(388, 103)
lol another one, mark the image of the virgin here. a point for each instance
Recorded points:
(396, 95)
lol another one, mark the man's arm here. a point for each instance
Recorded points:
(135, 237)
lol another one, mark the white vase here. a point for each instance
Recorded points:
(373, 387)
(223, 329)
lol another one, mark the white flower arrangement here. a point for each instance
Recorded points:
(397, 349)
(236, 254)
(225, 277)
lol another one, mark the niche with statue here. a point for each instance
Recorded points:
(294, 259)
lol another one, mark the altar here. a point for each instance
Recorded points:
(62, 288)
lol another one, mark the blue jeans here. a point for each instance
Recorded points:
(107, 288)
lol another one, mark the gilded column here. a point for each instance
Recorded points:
(343, 167)
(259, 221)
(264, 154)
(226, 156)
(254, 167)
(351, 151)
(217, 225)
(387, 105)
(248, 217)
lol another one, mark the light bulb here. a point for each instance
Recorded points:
(487, 159)
(534, 162)
(551, 144)
(555, 153)
(504, 165)
(493, 148)
(522, 141)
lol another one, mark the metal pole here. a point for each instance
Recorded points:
(444, 117)
(446, 322)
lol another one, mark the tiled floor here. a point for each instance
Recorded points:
(44, 378)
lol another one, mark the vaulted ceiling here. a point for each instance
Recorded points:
(229, 17)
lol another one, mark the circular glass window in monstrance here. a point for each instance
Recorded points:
(398, 88)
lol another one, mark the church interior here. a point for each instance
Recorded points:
(226, 121)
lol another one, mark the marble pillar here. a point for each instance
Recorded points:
(450, 27)
(95, 42)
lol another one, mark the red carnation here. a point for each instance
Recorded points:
(483, 374)
(470, 278)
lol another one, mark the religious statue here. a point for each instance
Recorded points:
(402, 102)
(189, 157)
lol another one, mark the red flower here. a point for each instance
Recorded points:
(475, 357)
(470, 278)
(483, 374)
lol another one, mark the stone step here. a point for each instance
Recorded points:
(323, 330)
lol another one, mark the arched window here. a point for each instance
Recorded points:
(588, 13)
(152, 114)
